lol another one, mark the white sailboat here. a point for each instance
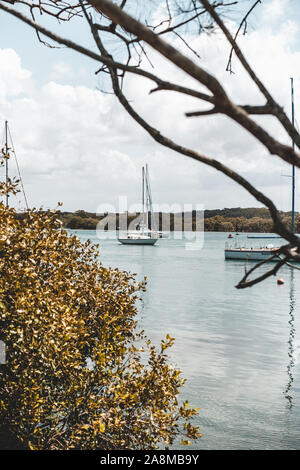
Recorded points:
(236, 251)
(252, 254)
(145, 235)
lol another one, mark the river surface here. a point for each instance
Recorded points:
(238, 349)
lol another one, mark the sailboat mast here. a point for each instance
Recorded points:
(146, 199)
(149, 196)
(143, 199)
(6, 159)
(293, 169)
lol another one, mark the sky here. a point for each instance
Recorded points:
(76, 145)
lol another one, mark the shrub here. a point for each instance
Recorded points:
(78, 375)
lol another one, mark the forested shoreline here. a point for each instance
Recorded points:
(215, 220)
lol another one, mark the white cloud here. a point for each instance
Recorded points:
(61, 71)
(13, 77)
(66, 73)
(78, 145)
(275, 9)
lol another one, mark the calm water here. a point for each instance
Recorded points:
(239, 350)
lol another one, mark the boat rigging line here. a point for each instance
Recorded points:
(7, 149)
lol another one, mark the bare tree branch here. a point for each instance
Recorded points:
(287, 250)
(161, 84)
(285, 121)
(243, 22)
(245, 282)
(133, 26)
(214, 110)
(233, 111)
(265, 109)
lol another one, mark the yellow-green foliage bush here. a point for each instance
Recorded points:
(77, 375)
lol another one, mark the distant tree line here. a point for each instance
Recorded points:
(235, 219)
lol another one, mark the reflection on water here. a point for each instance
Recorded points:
(237, 348)
(291, 349)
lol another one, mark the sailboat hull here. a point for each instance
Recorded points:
(251, 255)
(138, 241)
